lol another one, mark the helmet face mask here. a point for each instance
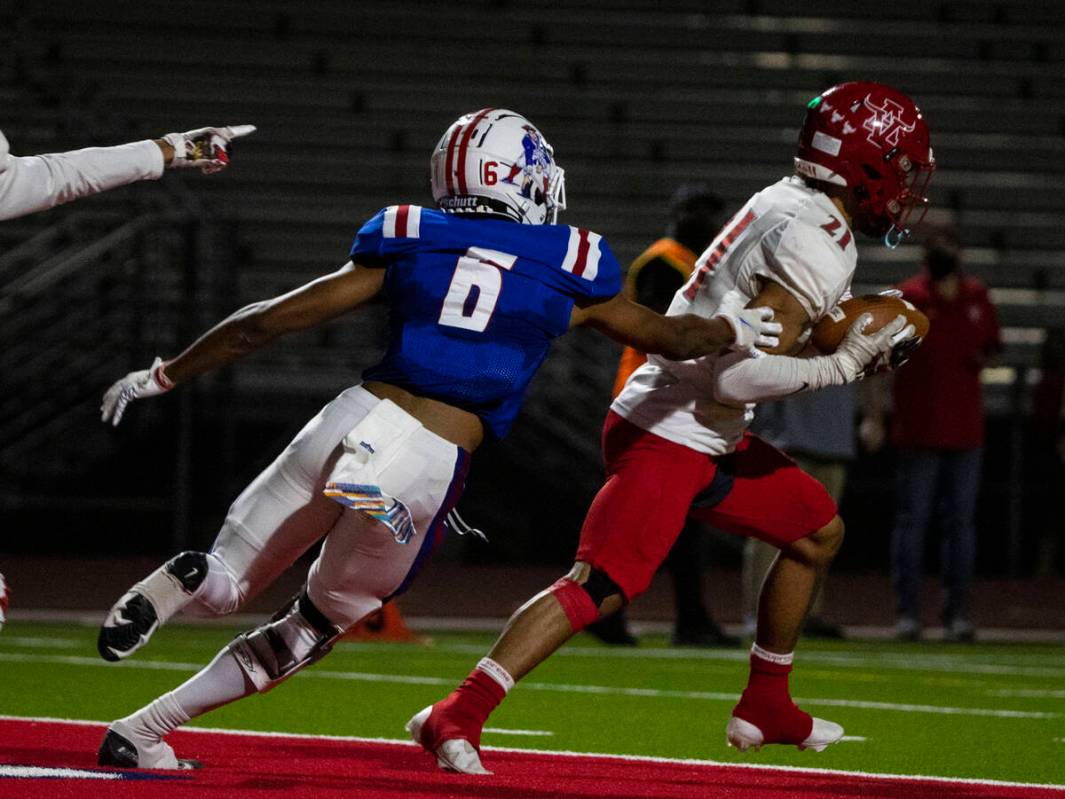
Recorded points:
(872, 139)
(496, 162)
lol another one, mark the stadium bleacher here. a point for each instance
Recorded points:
(350, 98)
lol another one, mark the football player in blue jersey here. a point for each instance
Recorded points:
(478, 290)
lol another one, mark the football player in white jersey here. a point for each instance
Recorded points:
(675, 443)
(38, 182)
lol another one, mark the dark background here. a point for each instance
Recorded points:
(636, 97)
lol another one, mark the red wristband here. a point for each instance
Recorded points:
(160, 377)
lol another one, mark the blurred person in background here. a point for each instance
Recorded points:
(695, 217)
(938, 430)
(1048, 449)
(817, 431)
(38, 182)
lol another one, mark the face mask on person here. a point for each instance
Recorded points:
(941, 263)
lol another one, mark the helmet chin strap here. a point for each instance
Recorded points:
(895, 236)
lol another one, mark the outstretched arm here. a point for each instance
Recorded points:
(39, 182)
(247, 330)
(676, 337)
(36, 183)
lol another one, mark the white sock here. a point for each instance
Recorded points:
(497, 673)
(772, 657)
(222, 681)
(155, 720)
(219, 683)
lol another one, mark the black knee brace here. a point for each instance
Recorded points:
(189, 569)
(599, 586)
(318, 620)
(265, 657)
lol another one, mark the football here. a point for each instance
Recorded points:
(833, 326)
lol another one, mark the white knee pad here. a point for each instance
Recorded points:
(349, 607)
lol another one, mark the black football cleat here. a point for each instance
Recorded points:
(118, 751)
(136, 616)
(127, 627)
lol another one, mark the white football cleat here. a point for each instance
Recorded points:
(743, 735)
(455, 754)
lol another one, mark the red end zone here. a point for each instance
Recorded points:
(53, 760)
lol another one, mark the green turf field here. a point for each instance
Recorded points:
(986, 711)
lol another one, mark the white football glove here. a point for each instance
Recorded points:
(149, 382)
(205, 148)
(861, 354)
(903, 348)
(753, 327)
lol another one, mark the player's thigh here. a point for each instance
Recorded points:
(641, 509)
(283, 511)
(369, 557)
(771, 498)
(360, 564)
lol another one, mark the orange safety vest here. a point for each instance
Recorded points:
(670, 252)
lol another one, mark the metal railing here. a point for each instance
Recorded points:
(80, 304)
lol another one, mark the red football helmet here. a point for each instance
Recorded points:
(873, 139)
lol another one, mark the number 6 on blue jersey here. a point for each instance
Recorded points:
(474, 289)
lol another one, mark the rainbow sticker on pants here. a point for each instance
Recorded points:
(369, 499)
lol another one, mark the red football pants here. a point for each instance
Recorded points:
(651, 486)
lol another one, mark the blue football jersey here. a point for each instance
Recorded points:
(475, 303)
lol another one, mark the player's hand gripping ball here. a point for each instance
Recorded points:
(833, 326)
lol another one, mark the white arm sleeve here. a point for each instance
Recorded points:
(740, 378)
(38, 182)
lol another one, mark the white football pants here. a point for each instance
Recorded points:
(376, 450)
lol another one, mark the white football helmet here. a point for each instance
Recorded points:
(497, 162)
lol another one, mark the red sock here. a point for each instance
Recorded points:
(463, 712)
(766, 703)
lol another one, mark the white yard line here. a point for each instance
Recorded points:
(564, 753)
(600, 690)
(33, 642)
(81, 660)
(493, 624)
(1031, 693)
(896, 661)
(531, 733)
(40, 772)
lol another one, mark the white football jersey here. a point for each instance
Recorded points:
(787, 233)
